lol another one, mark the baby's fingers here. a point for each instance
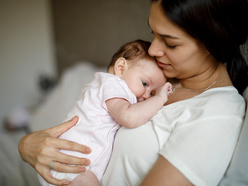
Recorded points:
(168, 87)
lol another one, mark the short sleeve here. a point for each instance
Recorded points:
(203, 139)
(114, 87)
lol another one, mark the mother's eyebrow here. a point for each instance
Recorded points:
(164, 35)
(168, 36)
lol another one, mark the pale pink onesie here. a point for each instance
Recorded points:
(96, 128)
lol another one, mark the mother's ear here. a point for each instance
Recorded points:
(120, 66)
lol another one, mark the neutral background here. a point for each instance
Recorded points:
(93, 30)
(26, 52)
(43, 37)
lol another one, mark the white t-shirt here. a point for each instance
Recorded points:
(197, 135)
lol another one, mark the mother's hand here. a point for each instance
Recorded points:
(40, 148)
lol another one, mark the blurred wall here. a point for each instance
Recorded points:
(94, 30)
(26, 51)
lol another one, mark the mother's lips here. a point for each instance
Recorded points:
(162, 65)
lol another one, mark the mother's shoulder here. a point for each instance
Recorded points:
(228, 93)
(223, 99)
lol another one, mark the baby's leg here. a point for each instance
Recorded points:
(87, 178)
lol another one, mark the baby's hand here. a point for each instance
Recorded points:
(164, 91)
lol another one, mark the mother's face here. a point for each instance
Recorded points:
(176, 52)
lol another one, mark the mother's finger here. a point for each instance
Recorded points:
(70, 145)
(60, 167)
(71, 160)
(60, 129)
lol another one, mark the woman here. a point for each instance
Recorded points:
(191, 140)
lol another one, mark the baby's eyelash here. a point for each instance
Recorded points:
(144, 83)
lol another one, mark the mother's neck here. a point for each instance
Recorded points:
(205, 79)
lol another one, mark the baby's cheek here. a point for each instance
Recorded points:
(164, 79)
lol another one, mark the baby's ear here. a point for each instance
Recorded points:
(120, 66)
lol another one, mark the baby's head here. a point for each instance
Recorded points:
(138, 69)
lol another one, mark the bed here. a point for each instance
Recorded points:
(52, 111)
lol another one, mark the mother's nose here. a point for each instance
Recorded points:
(156, 48)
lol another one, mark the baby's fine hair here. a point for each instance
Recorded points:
(133, 50)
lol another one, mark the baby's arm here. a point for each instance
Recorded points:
(85, 179)
(134, 115)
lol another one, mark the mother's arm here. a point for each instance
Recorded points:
(164, 173)
(40, 148)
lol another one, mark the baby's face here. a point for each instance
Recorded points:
(144, 78)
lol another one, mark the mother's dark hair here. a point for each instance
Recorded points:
(220, 25)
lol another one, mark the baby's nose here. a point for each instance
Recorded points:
(140, 99)
(147, 95)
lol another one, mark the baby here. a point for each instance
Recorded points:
(133, 91)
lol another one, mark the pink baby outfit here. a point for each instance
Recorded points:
(96, 128)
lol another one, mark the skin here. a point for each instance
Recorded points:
(181, 58)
